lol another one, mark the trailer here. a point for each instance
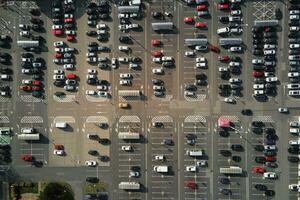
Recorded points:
(231, 170)
(35, 136)
(161, 168)
(129, 186)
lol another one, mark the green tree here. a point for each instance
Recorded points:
(57, 191)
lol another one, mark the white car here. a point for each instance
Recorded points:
(235, 49)
(69, 66)
(293, 86)
(270, 147)
(223, 69)
(156, 59)
(101, 26)
(201, 47)
(114, 63)
(294, 12)
(294, 28)
(132, 26)
(191, 168)
(159, 157)
(25, 33)
(294, 142)
(58, 152)
(157, 70)
(293, 74)
(70, 32)
(56, 27)
(125, 82)
(258, 86)
(200, 59)
(102, 87)
(269, 46)
(158, 87)
(234, 64)
(91, 54)
(221, 31)
(236, 12)
(90, 92)
(202, 163)
(272, 79)
(37, 64)
(133, 66)
(257, 61)
(294, 92)
(125, 75)
(26, 81)
(189, 53)
(294, 17)
(134, 174)
(167, 58)
(201, 65)
(235, 80)
(25, 71)
(229, 100)
(123, 48)
(58, 77)
(189, 93)
(103, 94)
(283, 110)
(270, 175)
(92, 71)
(68, 2)
(237, 30)
(235, 19)
(68, 15)
(123, 27)
(90, 163)
(269, 52)
(123, 15)
(123, 59)
(294, 187)
(259, 92)
(70, 87)
(58, 44)
(24, 26)
(126, 148)
(58, 71)
(59, 50)
(27, 59)
(295, 46)
(69, 49)
(89, 76)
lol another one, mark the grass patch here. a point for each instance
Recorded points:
(95, 187)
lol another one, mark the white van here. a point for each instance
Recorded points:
(195, 153)
(294, 131)
(61, 125)
(27, 130)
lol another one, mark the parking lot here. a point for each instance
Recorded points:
(170, 87)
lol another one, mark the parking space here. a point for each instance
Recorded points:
(195, 60)
(230, 152)
(196, 138)
(163, 54)
(130, 154)
(260, 137)
(163, 172)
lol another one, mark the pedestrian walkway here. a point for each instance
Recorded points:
(32, 119)
(135, 119)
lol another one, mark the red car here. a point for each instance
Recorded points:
(258, 169)
(59, 55)
(156, 53)
(155, 42)
(57, 32)
(25, 87)
(71, 76)
(188, 20)
(69, 20)
(270, 158)
(70, 37)
(200, 25)
(257, 74)
(58, 147)
(36, 83)
(201, 7)
(27, 157)
(224, 58)
(191, 184)
(214, 48)
(223, 6)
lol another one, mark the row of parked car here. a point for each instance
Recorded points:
(5, 71)
(294, 50)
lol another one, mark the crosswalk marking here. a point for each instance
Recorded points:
(29, 98)
(32, 119)
(4, 119)
(195, 118)
(165, 118)
(129, 119)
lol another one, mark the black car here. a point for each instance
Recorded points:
(259, 148)
(157, 82)
(257, 41)
(5, 88)
(270, 153)
(92, 179)
(59, 94)
(246, 112)
(93, 152)
(5, 70)
(235, 6)
(257, 36)
(136, 59)
(168, 64)
(156, 15)
(236, 158)
(35, 11)
(293, 35)
(258, 123)
(91, 11)
(37, 77)
(294, 23)
(223, 133)
(190, 87)
(270, 130)
(293, 150)
(257, 130)
(224, 19)
(260, 187)
(69, 25)
(103, 65)
(258, 67)
(225, 191)
(135, 168)
(224, 86)
(270, 34)
(57, 21)
(293, 159)
(59, 83)
(225, 181)
(5, 55)
(36, 20)
(91, 81)
(201, 82)
(270, 58)
(259, 80)
(270, 193)
(103, 125)
(271, 136)
(256, 29)
(257, 52)
(125, 39)
(104, 16)
(102, 37)
(237, 147)
(36, 94)
(260, 159)
(270, 41)
(201, 76)
(225, 153)
(271, 164)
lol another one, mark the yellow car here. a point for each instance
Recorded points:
(123, 105)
